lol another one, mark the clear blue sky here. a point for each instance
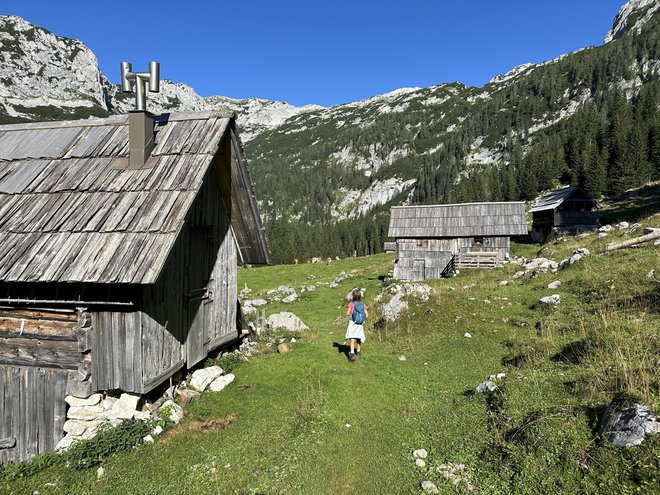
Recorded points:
(324, 52)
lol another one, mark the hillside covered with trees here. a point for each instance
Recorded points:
(591, 117)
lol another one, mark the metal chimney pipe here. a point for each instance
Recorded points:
(140, 122)
(154, 77)
(125, 68)
(137, 82)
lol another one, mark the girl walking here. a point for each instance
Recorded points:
(357, 313)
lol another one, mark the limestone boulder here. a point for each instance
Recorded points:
(542, 264)
(290, 298)
(486, 386)
(92, 400)
(175, 410)
(287, 321)
(627, 427)
(552, 300)
(124, 408)
(221, 382)
(202, 378)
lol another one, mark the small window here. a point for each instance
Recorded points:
(478, 240)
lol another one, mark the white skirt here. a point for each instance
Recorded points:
(355, 331)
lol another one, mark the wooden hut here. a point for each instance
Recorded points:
(568, 209)
(430, 240)
(114, 277)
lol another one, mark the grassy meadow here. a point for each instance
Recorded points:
(310, 422)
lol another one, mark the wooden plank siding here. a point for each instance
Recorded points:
(41, 339)
(189, 311)
(436, 253)
(32, 410)
(115, 362)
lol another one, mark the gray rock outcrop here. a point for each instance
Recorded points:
(578, 254)
(221, 382)
(287, 321)
(429, 487)
(393, 308)
(202, 378)
(629, 426)
(486, 386)
(552, 300)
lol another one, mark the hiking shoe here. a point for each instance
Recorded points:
(351, 357)
(358, 353)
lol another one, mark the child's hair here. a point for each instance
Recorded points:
(357, 295)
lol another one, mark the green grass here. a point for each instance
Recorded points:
(283, 425)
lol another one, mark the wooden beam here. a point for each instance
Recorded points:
(634, 241)
(39, 352)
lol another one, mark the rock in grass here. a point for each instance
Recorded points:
(393, 308)
(554, 285)
(221, 382)
(420, 463)
(467, 335)
(429, 487)
(420, 454)
(402, 357)
(290, 298)
(629, 426)
(486, 386)
(174, 411)
(553, 300)
(286, 320)
(203, 378)
(186, 396)
(283, 347)
(100, 473)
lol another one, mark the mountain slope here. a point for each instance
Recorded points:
(327, 176)
(48, 77)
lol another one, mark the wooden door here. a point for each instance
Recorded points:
(199, 295)
(32, 410)
(419, 266)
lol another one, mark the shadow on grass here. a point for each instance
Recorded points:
(342, 348)
(573, 353)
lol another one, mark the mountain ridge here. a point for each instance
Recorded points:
(532, 128)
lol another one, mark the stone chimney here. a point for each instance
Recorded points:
(140, 122)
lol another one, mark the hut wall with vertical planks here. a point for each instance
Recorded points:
(472, 234)
(114, 278)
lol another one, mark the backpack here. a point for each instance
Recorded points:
(358, 315)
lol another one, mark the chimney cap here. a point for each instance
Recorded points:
(137, 82)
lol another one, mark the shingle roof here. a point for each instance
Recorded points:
(458, 220)
(71, 212)
(554, 198)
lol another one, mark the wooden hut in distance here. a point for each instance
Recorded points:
(568, 208)
(115, 273)
(431, 239)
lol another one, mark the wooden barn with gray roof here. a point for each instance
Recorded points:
(568, 209)
(431, 240)
(115, 273)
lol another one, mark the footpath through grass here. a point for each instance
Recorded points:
(310, 422)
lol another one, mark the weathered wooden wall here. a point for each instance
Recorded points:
(39, 338)
(32, 410)
(420, 259)
(38, 349)
(189, 311)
